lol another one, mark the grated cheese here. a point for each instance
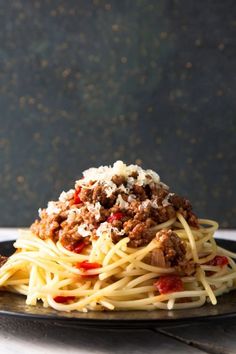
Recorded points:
(95, 209)
(83, 230)
(121, 202)
(65, 196)
(52, 208)
(103, 175)
(131, 198)
(72, 214)
(106, 227)
(165, 201)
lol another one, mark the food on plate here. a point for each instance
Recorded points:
(121, 239)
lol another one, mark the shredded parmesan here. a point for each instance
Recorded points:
(104, 174)
(72, 214)
(65, 196)
(121, 202)
(165, 201)
(94, 209)
(131, 198)
(52, 208)
(83, 231)
(148, 202)
(106, 227)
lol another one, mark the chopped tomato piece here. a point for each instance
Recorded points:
(115, 216)
(169, 284)
(218, 261)
(63, 299)
(77, 247)
(77, 199)
(85, 265)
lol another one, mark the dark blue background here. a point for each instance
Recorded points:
(84, 83)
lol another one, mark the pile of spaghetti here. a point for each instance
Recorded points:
(119, 240)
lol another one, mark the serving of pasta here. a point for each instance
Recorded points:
(120, 240)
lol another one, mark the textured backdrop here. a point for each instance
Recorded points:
(84, 83)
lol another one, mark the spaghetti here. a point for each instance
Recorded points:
(178, 266)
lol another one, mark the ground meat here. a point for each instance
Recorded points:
(149, 206)
(192, 220)
(99, 195)
(148, 191)
(179, 202)
(86, 195)
(165, 213)
(47, 227)
(104, 214)
(70, 240)
(173, 247)
(144, 213)
(3, 260)
(119, 180)
(129, 225)
(140, 192)
(186, 267)
(138, 232)
(159, 192)
(184, 206)
(134, 175)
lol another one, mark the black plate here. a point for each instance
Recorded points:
(14, 305)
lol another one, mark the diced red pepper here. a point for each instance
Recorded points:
(85, 265)
(63, 299)
(218, 261)
(169, 284)
(77, 199)
(115, 216)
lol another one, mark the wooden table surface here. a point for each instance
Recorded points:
(23, 336)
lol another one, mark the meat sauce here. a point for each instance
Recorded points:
(126, 206)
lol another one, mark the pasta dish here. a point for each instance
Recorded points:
(120, 240)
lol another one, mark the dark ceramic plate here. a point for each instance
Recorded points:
(14, 305)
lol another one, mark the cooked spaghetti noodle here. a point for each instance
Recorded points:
(116, 275)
